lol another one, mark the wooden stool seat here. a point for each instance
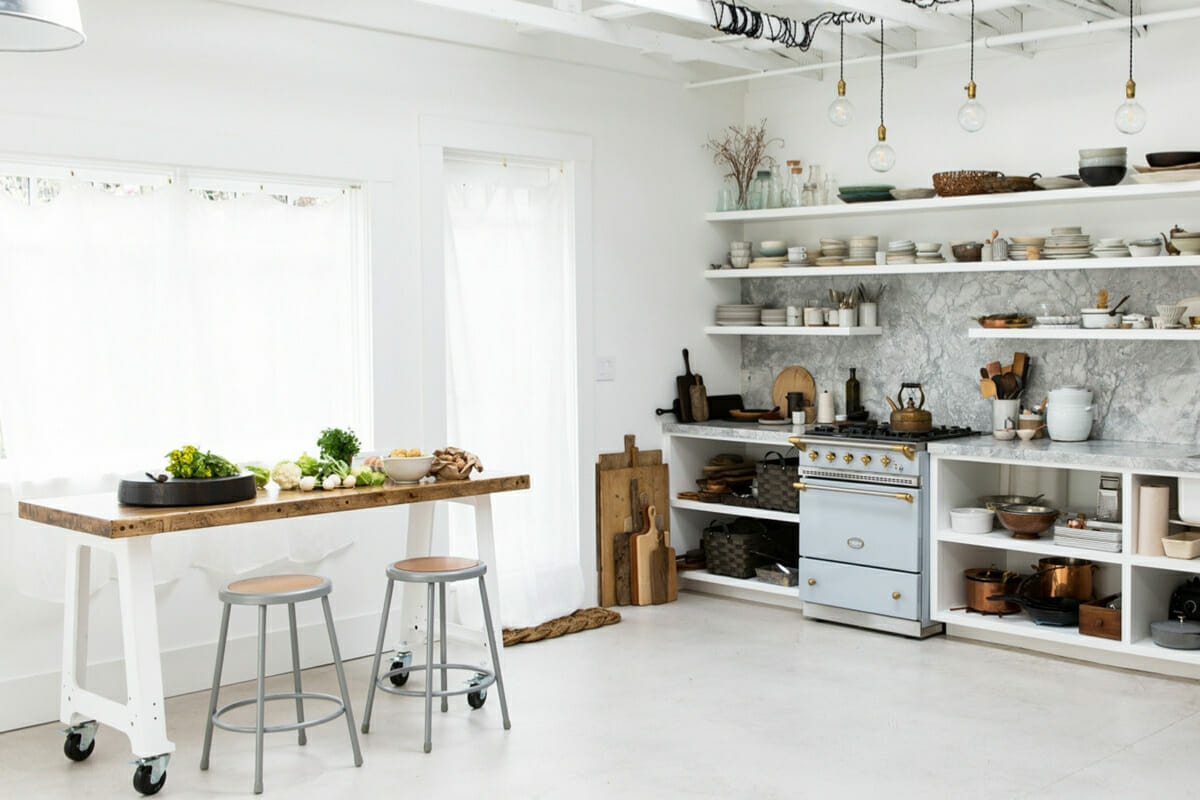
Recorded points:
(436, 564)
(275, 589)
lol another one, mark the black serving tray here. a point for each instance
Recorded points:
(186, 491)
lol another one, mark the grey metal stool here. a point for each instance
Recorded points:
(436, 570)
(270, 591)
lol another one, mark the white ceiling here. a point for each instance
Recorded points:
(677, 37)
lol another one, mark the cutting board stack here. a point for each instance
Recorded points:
(635, 560)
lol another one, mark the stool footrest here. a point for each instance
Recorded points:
(486, 678)
(294, 726)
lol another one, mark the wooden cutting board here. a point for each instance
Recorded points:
(643, 547)
(795, 379)
(634, 524)
(614, 472)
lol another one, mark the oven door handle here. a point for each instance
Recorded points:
(804, 487)
(908, 450)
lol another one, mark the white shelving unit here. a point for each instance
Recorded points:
(1041, 265)
(790, 330)
(740, 511)
(1101, 334)
(1145, 582)
(970, 202)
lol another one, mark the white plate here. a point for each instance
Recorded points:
(762, 421)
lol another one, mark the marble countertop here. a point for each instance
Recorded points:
(734, 431)
(1096, 453)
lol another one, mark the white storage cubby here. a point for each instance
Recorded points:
(687, 451)
(1145, 582)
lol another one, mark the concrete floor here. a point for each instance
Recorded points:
(703, 698)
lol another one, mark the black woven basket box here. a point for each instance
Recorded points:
(737, 548)
(775, 476)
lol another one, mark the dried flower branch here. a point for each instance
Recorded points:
(742, 151)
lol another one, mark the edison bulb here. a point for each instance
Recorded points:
(1130, 116)
(882, 157)
(841, 112)
(972, 115)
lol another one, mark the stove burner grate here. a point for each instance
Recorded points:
(881, 431)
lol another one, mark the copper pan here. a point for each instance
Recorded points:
(982, 582)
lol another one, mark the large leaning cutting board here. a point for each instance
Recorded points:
(795, 379)
(614, 475)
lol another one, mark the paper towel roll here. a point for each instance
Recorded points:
(825, 408)
(1153, 499)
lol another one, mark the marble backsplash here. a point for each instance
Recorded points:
(1146, 391)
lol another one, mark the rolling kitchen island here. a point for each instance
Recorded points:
(99, 521)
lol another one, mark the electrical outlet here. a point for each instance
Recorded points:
(606, 368)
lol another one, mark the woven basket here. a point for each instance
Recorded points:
(739, 547)
(776, 475)
(964, 181)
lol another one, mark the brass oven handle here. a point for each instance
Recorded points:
(909, 451)
(796, 442)
(804, 487)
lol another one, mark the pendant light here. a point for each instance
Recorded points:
(841, 110)
(882, 157)
(40, 25)
(972, 115)
(1130, 117)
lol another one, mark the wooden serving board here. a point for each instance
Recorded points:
(613, 504)
(643, 547)
(795, 379)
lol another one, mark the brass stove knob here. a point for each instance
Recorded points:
(812, 455)
(867, 460)
(847, 458)
(830, 456)
(885, 460)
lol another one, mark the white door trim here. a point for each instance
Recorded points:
(437, 137)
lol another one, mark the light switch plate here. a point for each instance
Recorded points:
(606, 368)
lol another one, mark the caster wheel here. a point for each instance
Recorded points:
(477, 699)
(400, 678)
(73, 751)
(141, 780)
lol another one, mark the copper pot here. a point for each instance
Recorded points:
(910, 418)
(1061, 576)
(983, 582)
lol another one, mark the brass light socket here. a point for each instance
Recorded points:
(1130, 88)
(970, 87)
(841, 88)
(882, 133)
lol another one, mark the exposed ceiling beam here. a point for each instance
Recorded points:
(682, 48)
(1080, 9)
(615, 11)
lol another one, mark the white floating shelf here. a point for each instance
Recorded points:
(1040, 265)
(752, 589)
(1035, 198)
(1140, 334)
(1164, 563)
(790, 330)
(737, 511)
(1002, 540)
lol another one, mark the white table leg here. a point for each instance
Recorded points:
(142, 717)
(412, 595)
(485, 544)
(75, 628)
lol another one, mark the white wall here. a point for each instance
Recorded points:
(204, 84)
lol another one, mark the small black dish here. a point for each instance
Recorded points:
(1102, 176)
(1174, 158)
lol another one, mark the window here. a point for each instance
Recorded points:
(143, 310)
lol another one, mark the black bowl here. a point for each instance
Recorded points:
(1102, 176)
(1172, 159)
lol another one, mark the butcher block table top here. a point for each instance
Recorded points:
(103, 515)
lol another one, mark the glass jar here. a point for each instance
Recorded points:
(774, 189)
(759, 188)
(809, 197)
(830, 191)
(795, 188)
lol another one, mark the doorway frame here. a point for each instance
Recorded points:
(441, 137)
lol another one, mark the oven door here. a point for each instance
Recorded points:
(860, 523)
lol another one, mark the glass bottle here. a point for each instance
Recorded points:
(774, 189)
(853, 394)
(809, 198)
(795, 189)
(759, 188)
(830, 192)
(815, 178)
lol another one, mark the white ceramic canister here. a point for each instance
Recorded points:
(1005, 414)
(868, 315)
(847, 317)
(1067, 423)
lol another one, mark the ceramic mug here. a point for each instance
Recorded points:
(814, 317)
(831, 316)
(847, 317)
(867, 315)
(1005, 414)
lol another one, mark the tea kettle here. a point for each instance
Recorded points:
(910, 418)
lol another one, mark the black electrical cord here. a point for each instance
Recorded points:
(973, 40)
(734, 20)
(1130, 39)
(881, 72)
(841, 53)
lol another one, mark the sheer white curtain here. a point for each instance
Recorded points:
(511, 374)
(132, 324)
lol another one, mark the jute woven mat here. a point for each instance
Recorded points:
(580, 620)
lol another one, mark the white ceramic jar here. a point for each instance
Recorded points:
(1071, 396)
(1069, 423)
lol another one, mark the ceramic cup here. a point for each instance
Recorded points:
(831, 316)
(847, 317)
(814, 317)
(867, 315)
(1005, 414)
